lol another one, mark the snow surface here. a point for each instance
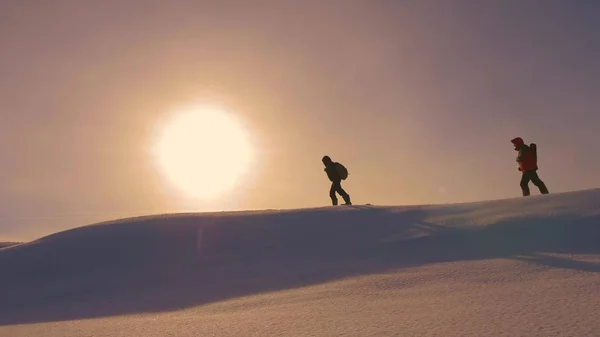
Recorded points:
(6, 244)
(517, 267)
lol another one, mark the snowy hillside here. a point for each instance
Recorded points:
(518, 267)
(6, 244)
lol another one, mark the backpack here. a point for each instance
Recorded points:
(342, 171)
(533, 148)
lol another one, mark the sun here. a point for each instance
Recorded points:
(204, 151)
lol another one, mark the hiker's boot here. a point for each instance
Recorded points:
(347, 200)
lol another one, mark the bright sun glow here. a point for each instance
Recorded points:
(204, 151)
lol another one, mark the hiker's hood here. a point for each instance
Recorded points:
(518, 141)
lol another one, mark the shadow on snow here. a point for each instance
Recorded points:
(174, 262)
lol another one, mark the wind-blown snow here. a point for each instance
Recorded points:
(518, 267)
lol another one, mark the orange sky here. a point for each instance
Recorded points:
(419, 101)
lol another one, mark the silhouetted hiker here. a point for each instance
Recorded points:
(336, 172)
(527, 159)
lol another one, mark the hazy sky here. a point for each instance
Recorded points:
(419, 99)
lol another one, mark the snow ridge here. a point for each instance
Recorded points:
(517, 265)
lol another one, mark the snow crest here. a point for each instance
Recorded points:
(524, 266)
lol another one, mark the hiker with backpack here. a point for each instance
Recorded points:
(527, 159)
(336, 172)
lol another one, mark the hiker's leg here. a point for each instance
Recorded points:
(525, 178)
(332, 195)
(340, 190)
(535, 179)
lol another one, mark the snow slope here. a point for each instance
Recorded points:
(6, 244)
(517, 267)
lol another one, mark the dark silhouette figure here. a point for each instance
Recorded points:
(527, 159)
(336, 172)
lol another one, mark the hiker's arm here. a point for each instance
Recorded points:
(522, 153)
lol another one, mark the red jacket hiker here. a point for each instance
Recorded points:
(527, 159)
